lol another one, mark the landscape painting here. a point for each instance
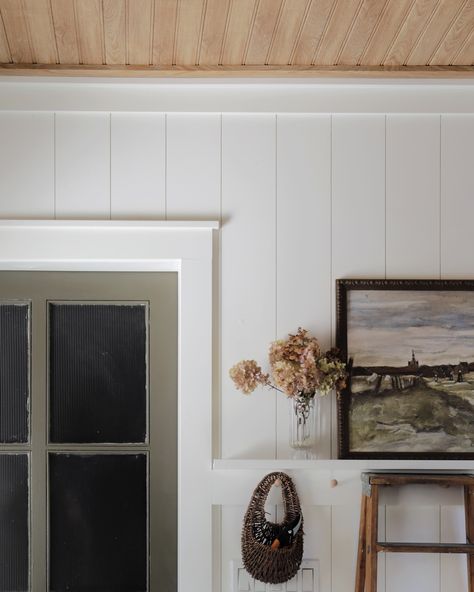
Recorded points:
(410, 350)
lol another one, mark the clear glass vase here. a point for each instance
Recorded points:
(304, 421)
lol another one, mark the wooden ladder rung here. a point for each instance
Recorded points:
(426, 548)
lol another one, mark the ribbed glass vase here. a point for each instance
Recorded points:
(304, 422)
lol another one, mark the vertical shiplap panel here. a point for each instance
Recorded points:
(304, 245)
(248, 279)
(457, 191)
(317, 528)
(413, 196)
(344, 539)
(453, 566)
(82, 165)
(407, 572)
(358, 202)
(138, 165)
(193, 166)
(26, 165)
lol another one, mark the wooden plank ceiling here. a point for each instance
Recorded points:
(244, 37)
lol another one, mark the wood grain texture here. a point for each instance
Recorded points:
(16, 30)
(190, 15)
(216, 18)
(433, 35)
(466, 53)
(90, 31)
(139, 31)
(386, 32)
(363, 28)
(5, 56)
(114, 12)
(458, 33)
(339, 27)
(418, 19)
(241, 13)
(312, 31)
(164, 31)
(41, 30)
(65, 29)
(287, 31)
(266, 20)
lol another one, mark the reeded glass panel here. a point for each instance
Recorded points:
(14, 372)
(98, 523)
(13, 522)
(98, 374)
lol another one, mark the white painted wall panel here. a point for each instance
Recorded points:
(453, 567)
(406, 572)
(358, 203)
(82, 165)
(303, 233)
(26, 165)
(248, 278)
(193, 161)
(457, 196)
(413, 196)
(137, 167)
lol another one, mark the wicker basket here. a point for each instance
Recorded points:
(271, 566)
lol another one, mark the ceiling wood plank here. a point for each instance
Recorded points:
(65, 31)
(433, 35)
(266, 20)
(456, 36)
(415, 24)
(339, 27)
(165, 29)
(140, 31)
(90, 31)
(312, 32)
(386, 32)
(190, 13)
(466, 55)
(40, 25)
(215, 20)
(397, 72)
(5, 56)
(16, 31)
(114, 31)
(364, 26)
(240, 19)
(287, 32)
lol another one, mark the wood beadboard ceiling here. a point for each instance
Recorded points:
(244, 37)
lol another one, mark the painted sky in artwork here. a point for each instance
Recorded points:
(384, 326)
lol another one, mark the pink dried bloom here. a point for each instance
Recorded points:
(247, 375)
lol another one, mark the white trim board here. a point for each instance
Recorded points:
(156, 246)
(237, 97)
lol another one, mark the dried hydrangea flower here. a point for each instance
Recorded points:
(247, 375)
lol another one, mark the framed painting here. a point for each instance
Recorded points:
(409, 346)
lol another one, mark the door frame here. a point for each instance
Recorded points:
(184, 247)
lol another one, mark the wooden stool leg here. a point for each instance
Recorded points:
(469, 513)
(361, 552)
(371, 540)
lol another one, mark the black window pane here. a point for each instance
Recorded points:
(97, 373)
(14, 373)
(98, 523)
(13, 522)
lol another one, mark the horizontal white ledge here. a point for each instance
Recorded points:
(342, 465)
(115, 224)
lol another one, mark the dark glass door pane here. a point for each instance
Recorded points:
(98, 523)
(14, 523)
(14, 372)
(98, 375)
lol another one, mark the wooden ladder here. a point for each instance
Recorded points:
(369, 545)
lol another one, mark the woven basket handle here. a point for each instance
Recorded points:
(290, 497)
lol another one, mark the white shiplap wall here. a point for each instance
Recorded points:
(304, 199)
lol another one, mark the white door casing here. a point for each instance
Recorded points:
(185, 247)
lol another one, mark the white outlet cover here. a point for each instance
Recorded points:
(306, 580)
